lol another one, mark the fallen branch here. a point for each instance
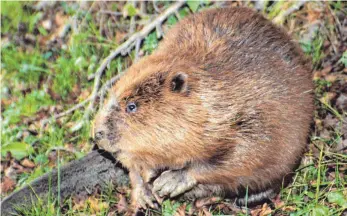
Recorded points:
(98, 168)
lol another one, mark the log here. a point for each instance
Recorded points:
(98, 168)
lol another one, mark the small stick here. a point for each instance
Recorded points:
(279, 18)
(155, 6)
(111, 13)
(137, 49)
(160, 32)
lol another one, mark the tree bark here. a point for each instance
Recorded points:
(97, 168)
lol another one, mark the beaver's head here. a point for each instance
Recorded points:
(154, 112)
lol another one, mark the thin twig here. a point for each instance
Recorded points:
(260, 5)
(84, 18)
(132, 27)
(111, 13)
(137, 50)
(178, 15)
(143, 8)
(160, 32)
(296, 6)
(155, 6)
(102, 20)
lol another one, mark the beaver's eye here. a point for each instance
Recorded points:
(131, 107)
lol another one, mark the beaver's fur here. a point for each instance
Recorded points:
(224, 104)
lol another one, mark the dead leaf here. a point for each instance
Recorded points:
(277, 201)
(120, 35)
(96, 205)
(122, 205)
(60, 19)
(331, 78)
(7, 185)
(330, 121)
(206, 212)
(79, 200)
(47, 24)
(206, 201)
(317, 75)
(313, 13)
(84, 95)
(27, 163)
(264, 210)
(77, 206)
(11, 172)
(326, 70)
(181, 211)
(289, 208)
(112, 213)
(319, 124)
(341, 102)
(326, 99)
(341, 145)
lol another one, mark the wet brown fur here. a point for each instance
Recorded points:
(241, 121)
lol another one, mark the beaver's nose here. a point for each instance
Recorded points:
(99, 135)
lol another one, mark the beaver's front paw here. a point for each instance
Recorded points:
(142, 197)
(173, 183)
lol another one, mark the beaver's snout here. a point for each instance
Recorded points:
(100, 139)
(99, 135)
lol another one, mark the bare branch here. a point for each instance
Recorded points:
(137, 49)
(111, 13)
(260, 5)
(160, 32)
(296, 6)
(155, 6)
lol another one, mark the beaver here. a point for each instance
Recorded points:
(222, 107)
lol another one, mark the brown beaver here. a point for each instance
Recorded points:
(223, 105)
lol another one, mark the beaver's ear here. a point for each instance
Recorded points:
(179, 82)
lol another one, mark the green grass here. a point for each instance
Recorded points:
(37, 79)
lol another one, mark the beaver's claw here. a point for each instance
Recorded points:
(143, 197)
(173, 183)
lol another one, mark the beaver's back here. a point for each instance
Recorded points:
(237, 36)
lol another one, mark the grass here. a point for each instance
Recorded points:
(41, 77)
